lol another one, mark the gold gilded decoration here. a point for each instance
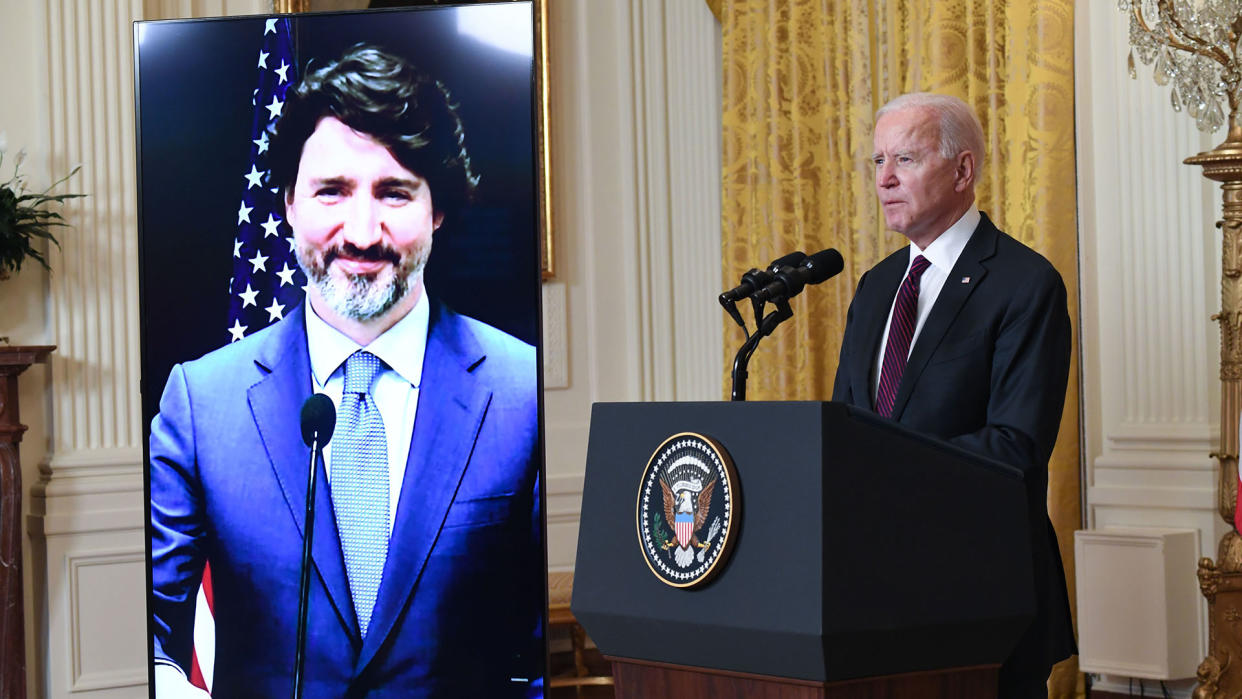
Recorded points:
(1224, 164)
(801, 83)
(1209, 673)
(288, 7)
(1223, 590)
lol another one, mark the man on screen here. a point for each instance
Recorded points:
(964, 335)
(427, 572)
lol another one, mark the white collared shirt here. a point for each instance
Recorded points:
(395, 392)
(942, 253)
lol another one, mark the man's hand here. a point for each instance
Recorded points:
(170, 683)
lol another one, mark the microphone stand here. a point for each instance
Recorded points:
(782, 313)
(304, 589)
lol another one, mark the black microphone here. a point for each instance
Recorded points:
(318, 422)
(789, 281)
(318, 418)
(757, 279)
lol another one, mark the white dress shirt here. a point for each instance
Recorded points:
(942, 253)
(395, 392)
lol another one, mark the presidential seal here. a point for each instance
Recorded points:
(687, 509)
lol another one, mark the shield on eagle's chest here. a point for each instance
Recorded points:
(684, 526)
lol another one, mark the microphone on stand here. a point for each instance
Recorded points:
(318, 421)
(789, 281)
(756, 279)
(753, 281)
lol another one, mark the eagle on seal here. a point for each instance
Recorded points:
(686, 514)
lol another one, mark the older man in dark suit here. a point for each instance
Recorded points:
(964, 335)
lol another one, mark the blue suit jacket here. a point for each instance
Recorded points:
(988, 373)
(460, 603)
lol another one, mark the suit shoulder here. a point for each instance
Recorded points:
(1021, 262)
(506, 361)
(234, 354)
(497, 343)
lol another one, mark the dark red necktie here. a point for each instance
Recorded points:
(900, 331)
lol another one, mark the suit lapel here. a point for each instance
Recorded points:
(276, 404)
(953, 295)
(451, 405)
(887, 276)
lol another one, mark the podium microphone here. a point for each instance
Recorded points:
(789, 281)
(318, 421)
(756, 279)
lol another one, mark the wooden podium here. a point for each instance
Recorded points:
(13, 361)
(869, 562)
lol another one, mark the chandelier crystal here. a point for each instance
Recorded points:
(1194, 47)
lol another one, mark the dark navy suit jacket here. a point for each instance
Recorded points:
(460, 603)
(987, 372)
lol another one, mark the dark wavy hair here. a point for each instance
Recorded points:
(384, 96)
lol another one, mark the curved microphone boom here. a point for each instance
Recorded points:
(318, 423)
(789, 281)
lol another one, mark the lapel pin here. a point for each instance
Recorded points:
(965, 280)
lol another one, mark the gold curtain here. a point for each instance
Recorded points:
(802, 81)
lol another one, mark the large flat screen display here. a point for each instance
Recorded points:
(340, 353)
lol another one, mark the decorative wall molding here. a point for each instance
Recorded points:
(1149, 267)
(1149, 260)
(555, 337)
(675, 50)
(88, 673)
(636, 96)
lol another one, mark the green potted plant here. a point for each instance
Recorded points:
(25, 218)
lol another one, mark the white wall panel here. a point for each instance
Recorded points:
(1150, 271)
(636, 174)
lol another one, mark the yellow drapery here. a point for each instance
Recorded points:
(802, 81)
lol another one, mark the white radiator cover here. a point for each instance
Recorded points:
(1138, 602)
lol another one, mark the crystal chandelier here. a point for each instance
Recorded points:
(1194, 45)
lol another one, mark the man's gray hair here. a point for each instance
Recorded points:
(960, 129)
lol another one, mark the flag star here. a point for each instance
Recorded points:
(259, 262)
(254, 177)
(291, 243)
(261, 142)
(238, 331)
(243, 214)
(270, 226)
(247, 297)
(263, 58)
(237, 248)
(269, 27)
(286, 275)
(274, 108)
(276, 311)
(282, 71)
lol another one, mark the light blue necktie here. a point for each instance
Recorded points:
(360, 484)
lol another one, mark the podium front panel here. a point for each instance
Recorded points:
(860, 550)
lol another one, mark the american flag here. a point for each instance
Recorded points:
(266, 281)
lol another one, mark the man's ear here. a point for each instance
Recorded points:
(964, 174)
(287, 196)
(436, 220)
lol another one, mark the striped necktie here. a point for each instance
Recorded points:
(900, 332)
(360, 484)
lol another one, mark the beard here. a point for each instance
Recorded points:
(363, 297)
